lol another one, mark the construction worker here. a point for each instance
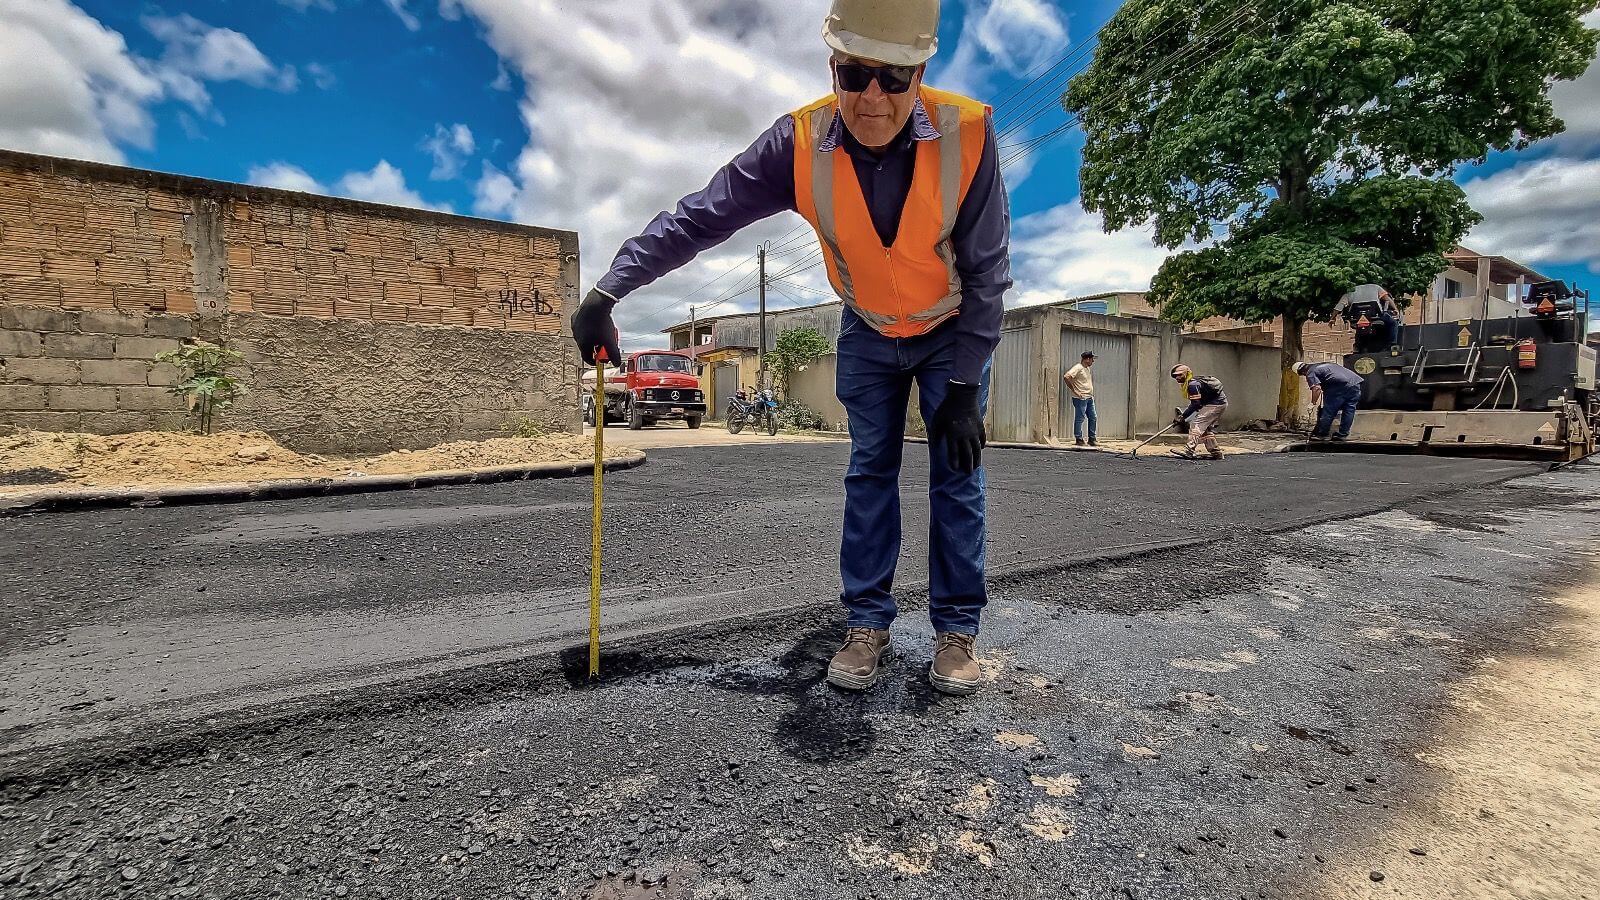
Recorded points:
(1338, 391)
(1081, 384)
(901, 185)
(1207, 403)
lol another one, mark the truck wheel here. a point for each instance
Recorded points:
(694, 421)
(635, 417)
(588, 412)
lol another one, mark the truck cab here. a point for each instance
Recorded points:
(649, 386)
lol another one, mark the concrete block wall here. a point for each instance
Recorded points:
(88, 370)
(87, 249)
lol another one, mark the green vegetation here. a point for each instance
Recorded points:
(206, 388)
(1306, 146)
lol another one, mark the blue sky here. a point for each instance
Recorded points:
(595, 115)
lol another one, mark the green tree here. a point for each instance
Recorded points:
(794, 350)
(1306, 146)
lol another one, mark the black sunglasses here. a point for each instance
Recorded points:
(855, 77)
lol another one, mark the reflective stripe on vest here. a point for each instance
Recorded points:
(911, 286)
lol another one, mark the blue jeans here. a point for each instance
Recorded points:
(875, 374)
(1083, 408)
(1393, 325)
(1339, 402)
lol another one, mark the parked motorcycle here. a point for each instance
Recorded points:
(759, 410)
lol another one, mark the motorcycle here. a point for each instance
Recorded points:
(743, 409)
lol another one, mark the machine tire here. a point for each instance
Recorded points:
(693, 421)
(588, 412)
(735, 422)
(772, 425)
(635, 417)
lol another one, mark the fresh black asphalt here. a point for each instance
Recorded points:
(1213, 719)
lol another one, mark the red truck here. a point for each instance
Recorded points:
(650, 386)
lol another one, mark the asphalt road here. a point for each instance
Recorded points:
(120, 622)
(1289, 711)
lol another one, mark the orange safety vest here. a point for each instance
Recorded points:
(912, 285)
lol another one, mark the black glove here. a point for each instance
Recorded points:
(958, 424)
(593, 329)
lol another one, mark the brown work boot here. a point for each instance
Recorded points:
(955, 668)
(859, 663)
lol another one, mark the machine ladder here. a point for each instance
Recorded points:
(1446, 366)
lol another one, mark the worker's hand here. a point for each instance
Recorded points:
(958, 425)
(593, 329)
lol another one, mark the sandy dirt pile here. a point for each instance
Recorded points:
(34, 459)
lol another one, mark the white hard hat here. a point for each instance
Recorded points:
(1301, 367)
(894, 32)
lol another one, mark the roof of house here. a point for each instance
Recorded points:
(1502, 270)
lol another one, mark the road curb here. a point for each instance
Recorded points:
(67, 499)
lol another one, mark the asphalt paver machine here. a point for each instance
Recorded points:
(1521, 386)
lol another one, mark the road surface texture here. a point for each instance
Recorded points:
(1277, 676)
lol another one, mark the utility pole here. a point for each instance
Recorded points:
(761, 353)
(692, 341)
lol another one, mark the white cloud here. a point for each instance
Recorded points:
(197, 53)
(383, 183)
(450, 146)
(631, 106)
(321, 75)
(495, 193)
(407, 18)
(1578, 104)
(68, 85)
(1062, 252)
(284, 176)
(1543, 212)
(1010, 36)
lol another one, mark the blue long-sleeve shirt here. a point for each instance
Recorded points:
(759, 182)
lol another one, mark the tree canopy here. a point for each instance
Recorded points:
(1306, 146)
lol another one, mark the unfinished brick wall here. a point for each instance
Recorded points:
(161, 249)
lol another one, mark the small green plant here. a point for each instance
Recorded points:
(794, 414)
(206, 386)
(524, 427)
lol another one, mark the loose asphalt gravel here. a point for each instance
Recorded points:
(292, 699)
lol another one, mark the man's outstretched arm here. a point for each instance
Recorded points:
(758, 183)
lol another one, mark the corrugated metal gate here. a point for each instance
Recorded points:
(1113, 381)
(1010, 386)
(726, 381)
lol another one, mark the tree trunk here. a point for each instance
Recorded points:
(1289, 384)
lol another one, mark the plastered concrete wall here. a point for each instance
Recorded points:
(330, 385)
(1250, 374)
(816, 387)
(367, 327)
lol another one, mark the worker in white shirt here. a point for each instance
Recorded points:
(1081, 384)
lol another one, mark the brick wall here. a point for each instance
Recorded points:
(165, 257)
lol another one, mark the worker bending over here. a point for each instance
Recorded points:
(1207, 403)
(1338, 391)
(901, 185)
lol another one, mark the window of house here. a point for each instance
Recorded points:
(1454, 289)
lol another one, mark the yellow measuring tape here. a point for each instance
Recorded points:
(599, 475)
